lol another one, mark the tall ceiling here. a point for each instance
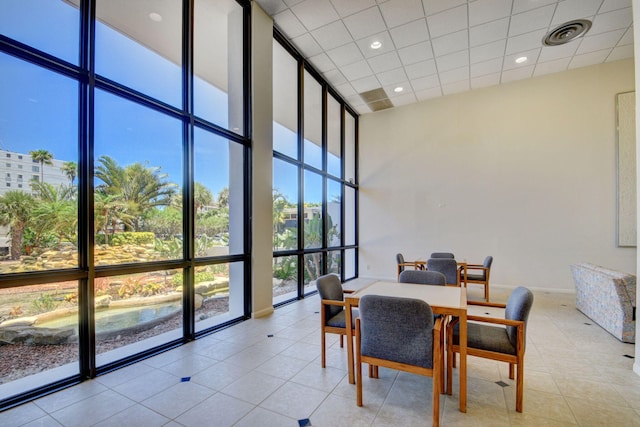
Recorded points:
(432, 48)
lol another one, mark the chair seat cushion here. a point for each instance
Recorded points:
(485, 337)
(340, 321)
(476, 277)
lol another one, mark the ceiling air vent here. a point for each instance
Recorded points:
(566, 32)
(376, 99)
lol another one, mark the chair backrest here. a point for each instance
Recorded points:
(446, 266)
(397, 329)
(330, 288)
(422, 277)
(487, 264)
(442, 255)
(400, 262)
(518, 308)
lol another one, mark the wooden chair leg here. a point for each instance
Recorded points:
(520, 387)
(323, 352)
(341, 341)
(358, 380)
(511, 371)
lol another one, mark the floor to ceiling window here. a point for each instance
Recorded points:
(124, 145)
(314, 178)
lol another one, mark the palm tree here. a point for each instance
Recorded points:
(70, 169)
(44, 157)
(55, 212)
(15, 211)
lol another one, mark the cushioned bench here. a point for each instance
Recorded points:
(608, 298)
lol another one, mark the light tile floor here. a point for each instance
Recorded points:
(266, 372)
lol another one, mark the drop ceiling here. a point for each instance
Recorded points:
(433, 48)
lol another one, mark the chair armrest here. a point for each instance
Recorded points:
(479, 267)
(348, 291)
(496, 321)
(332, 302)
(487, 304)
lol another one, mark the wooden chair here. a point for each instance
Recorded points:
(402, 264)
(446, 266)
(332, 311)
(496, 339)
(385, 338)
(442, 255)
(481, 277)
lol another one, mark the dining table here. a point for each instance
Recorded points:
(444, 300)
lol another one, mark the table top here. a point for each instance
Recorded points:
(436, 296)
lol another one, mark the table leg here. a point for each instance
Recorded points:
(349, 325)
(463, 362)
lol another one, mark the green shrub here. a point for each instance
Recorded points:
(44, 303)
(133, 238)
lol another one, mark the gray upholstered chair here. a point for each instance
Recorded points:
(402, 264)
(497, 339)
(479, 274)
(422, 277)
(332, 311)
(446, 266)
(442, 255)
(399, 333)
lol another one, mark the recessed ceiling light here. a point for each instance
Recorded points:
(398, 89)
(376, 45)
(156, 17)
(521, 59)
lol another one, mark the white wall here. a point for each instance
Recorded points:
(523, 171)
(636, 38)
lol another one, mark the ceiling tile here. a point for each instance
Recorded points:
(332, 35)
(315, 13)
(591, 58)
(411, 33)
(489, 32)
(385, 62)
(398, 12)
(525, 42)
(569, 10)
(345, 89)
(453, 76)
(292, 2)
(345, 54)
(520, 6)
(487, 67)
(450, 43)
(349, 7)
(390, 89)
(357, 70)
(618, 19)
(423, 95)
(453, 60)
(335, 77)
(621, 52)
(610, 5)
(434, 6)
(627, 38)
(517, 74)
(599, 42)
(554, 66)
(383, 37)
(551, 53)
(457, 87)
(404, 99)
(322, 62)
(421, 69)
(481, 11)
(289, 24)
(485, 81)
(392, 76)
(487, 51)
(531, 20)
(428, 82)
(510, 63)
(448, 21)
(307, 44)
(415, 53)
(272, 7)
(365, 23)
(366, 83)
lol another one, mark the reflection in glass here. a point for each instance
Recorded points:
(39, 154)
(334, 210)
(312, 121)
(138, 44)
(334, 156)
(312, 214)
(285, 278)
(218, 293)
(349, 215)
(218, 86)
(334, 264)
(312, 270)
(285, 102)
(44, 350)
(349, 264)
(138, 203)
(285, 206)
(136, 312)
(350, 149)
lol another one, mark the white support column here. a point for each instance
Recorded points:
(636, 39)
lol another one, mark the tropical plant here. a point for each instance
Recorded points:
(15, 211)
(43, 157)
(70, 169)
(55, 215)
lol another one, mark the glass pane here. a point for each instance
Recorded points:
(285, 278)
(219, 294)
(349, 215)
(350, 148)
(312, 121)
(312, 214)
(349, 264)
(285, 206)
(312, 270)
(46, 349)
(285, 102)
(218, 53)
(334, 210)
(38, 164)
(52, 26)
(139, 45)
(136, 312)
(334, 112)
(334, 264)
(218, 195)
(138, 214)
